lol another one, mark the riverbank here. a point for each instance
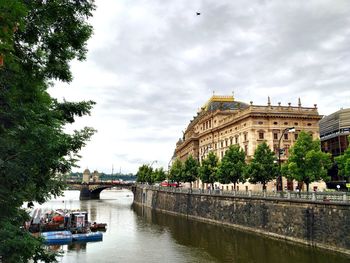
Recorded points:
(313, 223)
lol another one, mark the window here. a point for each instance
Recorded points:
(286, 149)
(260, 122)
(222, 154)
(275, 136)
(296, 124)
(222, 144)
(231, 141)
(275, 123)
(236, 139)
(286, 136)
(309, 124)
(261, 135)
(286, 123)
(226, 142)
(246, 149)
(245, 137)
(296, 136)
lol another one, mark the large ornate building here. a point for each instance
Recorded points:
(223, 121)
(334, 132)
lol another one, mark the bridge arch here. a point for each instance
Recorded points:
(93, 192)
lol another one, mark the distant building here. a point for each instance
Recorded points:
(334, 130)
(223, 121)
(95, 176)
(86, 176)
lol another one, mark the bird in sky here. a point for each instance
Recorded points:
(198, 14)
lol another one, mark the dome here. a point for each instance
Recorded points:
(86, 171)
(223, 103)
(226, 105)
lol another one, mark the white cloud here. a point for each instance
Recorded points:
(153, 63)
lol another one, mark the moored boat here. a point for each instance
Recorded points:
(98, 227)
(57, 237)
(86, 237)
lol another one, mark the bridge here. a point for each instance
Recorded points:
(92, 190)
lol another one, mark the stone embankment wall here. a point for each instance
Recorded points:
(324, 225)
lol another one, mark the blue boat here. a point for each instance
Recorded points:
(57, 237)
(86, 237)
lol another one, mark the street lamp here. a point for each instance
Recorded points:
(207, 149)
(152, 163)
(279, 185)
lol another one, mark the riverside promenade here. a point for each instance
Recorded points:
(318, 219)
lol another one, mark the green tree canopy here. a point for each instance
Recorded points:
(38, 39)
(208, 169)
(145, 174)
(159, 175)
(263, 168)
(343, 162)
(176, 173)
(191, 167)
(232, 166)
(306, 162)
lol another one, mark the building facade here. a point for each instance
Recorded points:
(223, 121)
(334, 132)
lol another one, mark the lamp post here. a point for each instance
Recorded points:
(152, 163)
(279, 185)
(207, 149)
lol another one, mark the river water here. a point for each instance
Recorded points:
(136, 234)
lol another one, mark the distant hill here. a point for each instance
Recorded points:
(104, 177)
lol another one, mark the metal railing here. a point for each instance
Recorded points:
(325, 197)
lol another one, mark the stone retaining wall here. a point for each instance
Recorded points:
(325, 225)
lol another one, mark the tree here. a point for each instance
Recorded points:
(343, 162)
(159, 175)
(176, 173)
(306, 162)
(232, 166)
(191, 167)
(145, 174)
(263, 167)
(38, 39)
(208, 169)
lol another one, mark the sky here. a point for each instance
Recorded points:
(152, 63)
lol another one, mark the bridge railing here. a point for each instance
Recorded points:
(325, 197)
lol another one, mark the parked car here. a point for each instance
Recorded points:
(170, 184)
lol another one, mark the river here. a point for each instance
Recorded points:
(136, 234)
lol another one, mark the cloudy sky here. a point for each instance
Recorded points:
(152, 63)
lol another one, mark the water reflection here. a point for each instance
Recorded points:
(140, 235)
(229, 245)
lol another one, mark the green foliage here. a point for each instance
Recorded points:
(232, 166)
(191, 167)
(208, 169)
(343, 162)
(306, 162)
(38, 40)
(159, 175)
(176, 173)
(145, 174)
(263, 167)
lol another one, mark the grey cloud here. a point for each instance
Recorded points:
(288, 48)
